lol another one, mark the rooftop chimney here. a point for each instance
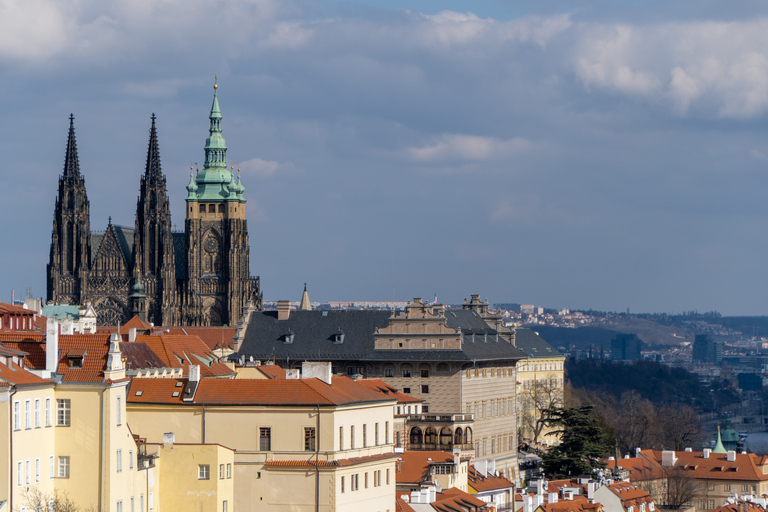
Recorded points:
(194, 373)
(668, 458)
(320, 370)
(51, 345)
(730, 456)
(705, 453)
(132, 334)
(283, 309)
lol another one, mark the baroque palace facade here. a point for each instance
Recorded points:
(198, 277)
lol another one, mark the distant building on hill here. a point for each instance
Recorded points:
(707, 350)
(626, 347)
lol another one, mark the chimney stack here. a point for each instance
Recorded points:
(51, 345)
(283, 309)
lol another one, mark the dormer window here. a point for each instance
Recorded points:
(288, 337)
(338, 337)
(75, 362)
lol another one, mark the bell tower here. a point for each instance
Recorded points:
(218, 283)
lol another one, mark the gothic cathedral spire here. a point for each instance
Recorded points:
(69, 259)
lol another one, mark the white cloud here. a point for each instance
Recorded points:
(33, 29)
(264, 167)
(467, 147)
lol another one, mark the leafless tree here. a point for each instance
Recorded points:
(636, 423)
(542, 395)
(37, 501)
(680, 490)
(681, 426)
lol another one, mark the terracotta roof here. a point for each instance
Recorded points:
(577, 504)
(481, 483)
(453, 499)
(15, 374)
(182, 350)
(644, 467)
(415, 464)
(740, 506)
(382, 387)
(94, 363)
(213, 337)
(9, 352)
(272, 371)
(136, 322)
(12, 308)
(138, 356)
(35, 350)
(745, 467)
(255, 392)
(402, 506)
(628, 492)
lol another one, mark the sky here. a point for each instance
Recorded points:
(604, 154)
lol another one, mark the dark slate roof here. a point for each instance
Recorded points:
(139, 356)
(314, 334)
(534, 345)
(124, 237)
(180, 255)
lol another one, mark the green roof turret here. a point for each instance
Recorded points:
(192, 188)
(719, 448)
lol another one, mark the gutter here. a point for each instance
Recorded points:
(10, 473)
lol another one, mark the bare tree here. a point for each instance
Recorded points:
(541, 396)
(681, 488)
(681, 426)
(636, 423)
(57, 501)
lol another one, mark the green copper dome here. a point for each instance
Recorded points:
(214, 182)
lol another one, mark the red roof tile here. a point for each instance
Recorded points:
(745, 467)
(482, 483)
(402, 506)
(382, 387)
(450, 499)
(272, 371)
(415, 464)
(14, 374)
(213, 337)
(180, 351)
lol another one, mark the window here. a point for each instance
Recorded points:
(20, 474)
(130, 459)
(64, 466)
(63, 412)
(711, 504)
(224, 506)
(132, 510)
(342, 484)
(365, 480)
(119, 411)
(37, 471)
(424, 408)
(352, 437)
(16, 415)
(203, 472)
(141, 503)
(151, 501)
(27, 414)
(406, 373)
(727, 487)
(387, 476)
(229, 470)
(365, 440)
(424, 388)
(355, 482)
(376, 434)
(221, 471)
(119, 505)
(389, 372)
(265, 439)
(119, 460)
(386, 432)
(341, 438)
(745, 488)
(407, 390)
(28, 471)
(37, 413)
(309, 439)
(424, 374)
(47, 412)
(51, 467)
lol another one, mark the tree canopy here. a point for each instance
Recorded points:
(582, 442)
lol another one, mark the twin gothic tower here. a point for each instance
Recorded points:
(198, 277)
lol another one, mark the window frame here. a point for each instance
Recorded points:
(203, 471)
(63, 412)
(63, 467)
(310, 439)
(265, 438)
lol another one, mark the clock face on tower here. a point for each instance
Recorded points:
(211, 245)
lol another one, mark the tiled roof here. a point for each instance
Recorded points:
(6, 307)
(577, 504)
(382, 387)
(481, 483)
(534, 346)
(740, 506)
(413, 466)
(94, 363)
(402, 506)
(183, 350)
(628, 492)
(138, 356)
(35, 350)
(213, 337)
(314, 334)
(256, 392)
(14, 374)
(745, 467)
(453, 499)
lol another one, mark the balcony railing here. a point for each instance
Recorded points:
(440, 447)
(441, 418)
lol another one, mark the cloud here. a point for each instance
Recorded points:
(715, 68)
(467, 147)
(257, 166)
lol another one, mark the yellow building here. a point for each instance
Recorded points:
(540, 381)
(300, 444)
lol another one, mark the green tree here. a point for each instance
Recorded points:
(582, 442)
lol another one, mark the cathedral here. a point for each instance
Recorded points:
(198, 277)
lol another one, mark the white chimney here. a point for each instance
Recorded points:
(591, 487)
(637, 452)
(132, 334)
(705, 453)
(553, 497)
(67, 327)
(320, 370)
(415, 497)
(51, 345)
(194, 373)
(432, 494)
(689, 449)
(169, 438)
(626, 456)
(730, 456)
(293, 374)
(668, 458)
(527, 503)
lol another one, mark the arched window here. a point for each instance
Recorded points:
(445, 436)
(468, 436)
(430, 436)
(458, 437)
(416, 436)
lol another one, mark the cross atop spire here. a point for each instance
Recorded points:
(71, 162)
(153, 153)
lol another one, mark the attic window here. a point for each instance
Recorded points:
(139, 393)
(179, 384)
(324, 313)
(338, 337)
(288, 337)
(75, 362)
(175, 394)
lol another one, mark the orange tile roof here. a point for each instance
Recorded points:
(96, 348)
(213, 337)
(332, 463)
(577, 504)
(35, 351)
(481, 483)
(16, 375)
(402, 506)
(380, 386)
(414, 465)
(5, 307)
(454, 499)
(255, 392)
(745, 467)
(179, 351)
(740, 506)
(628, 492)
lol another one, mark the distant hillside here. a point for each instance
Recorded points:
(582, 337)
(748, 325)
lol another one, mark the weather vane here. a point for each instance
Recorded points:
(215, 81)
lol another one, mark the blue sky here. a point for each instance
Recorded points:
(568, 154)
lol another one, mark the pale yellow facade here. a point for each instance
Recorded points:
(540, 384)
(363, 432)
